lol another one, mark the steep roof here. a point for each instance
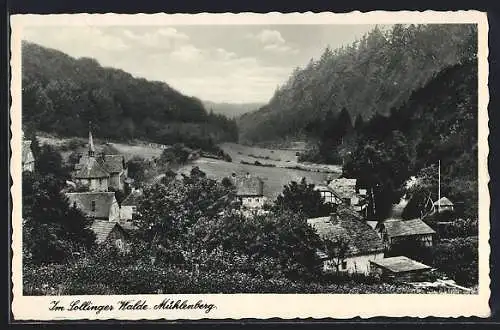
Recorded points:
(343, 188)
(27, 153)
(132, 199)
(248, 186)
(407, 228)
(103, 228)
(400, 264)
(347, 224)
(103, 202)
(90, 168)
(443, 201)
(114, 163)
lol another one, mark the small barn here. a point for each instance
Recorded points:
(400, 269)
(442, 205)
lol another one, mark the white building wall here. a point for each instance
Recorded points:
(126, 212)
(355, 264)
(114, 212)
(253, 202)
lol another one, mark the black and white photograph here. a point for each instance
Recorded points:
(282, 159)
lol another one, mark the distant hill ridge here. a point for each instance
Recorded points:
(231, 110)
(62, 95)
(372, 76)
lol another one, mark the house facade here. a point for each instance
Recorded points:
(28, 160)
(362, 244)
(250, 191)
(412, 233)
(96, 205)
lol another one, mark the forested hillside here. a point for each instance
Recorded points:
(373, 75)
(62, 94)
(437, 123)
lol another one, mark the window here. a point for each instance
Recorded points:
(93, 206)
(134, 208)
(343, 265)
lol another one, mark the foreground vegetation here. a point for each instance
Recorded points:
(190, 238)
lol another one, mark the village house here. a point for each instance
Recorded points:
(96, 205)
(362, 242)
(343, 191)
(28, 160)
(400, 268)
(413, 232)
(110, 232)
(128, 207)
(100, 172)
(249, 190)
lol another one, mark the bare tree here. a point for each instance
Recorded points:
(337, 250)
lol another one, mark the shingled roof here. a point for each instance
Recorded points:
(103, 228)
(343, 188)
(443, 202)
(90, 168)
(114, 163)
(400, 264)
(248, 186)
(347, 224)
(103, 202)
(396, 228)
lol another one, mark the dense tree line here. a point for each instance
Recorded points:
(62, 95)
(373, 75)
(53, 230)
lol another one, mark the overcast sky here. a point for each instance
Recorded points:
(222, 63)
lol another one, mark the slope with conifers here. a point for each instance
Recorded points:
(62, 95)
(370, 76)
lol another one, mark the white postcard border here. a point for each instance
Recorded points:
(260, 306)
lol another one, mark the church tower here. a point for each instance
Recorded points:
(91, 143)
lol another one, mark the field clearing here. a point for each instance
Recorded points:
(275, 178)
(277, 157)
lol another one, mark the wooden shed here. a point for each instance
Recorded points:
(400, 269)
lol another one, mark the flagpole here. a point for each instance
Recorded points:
(439, 186)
